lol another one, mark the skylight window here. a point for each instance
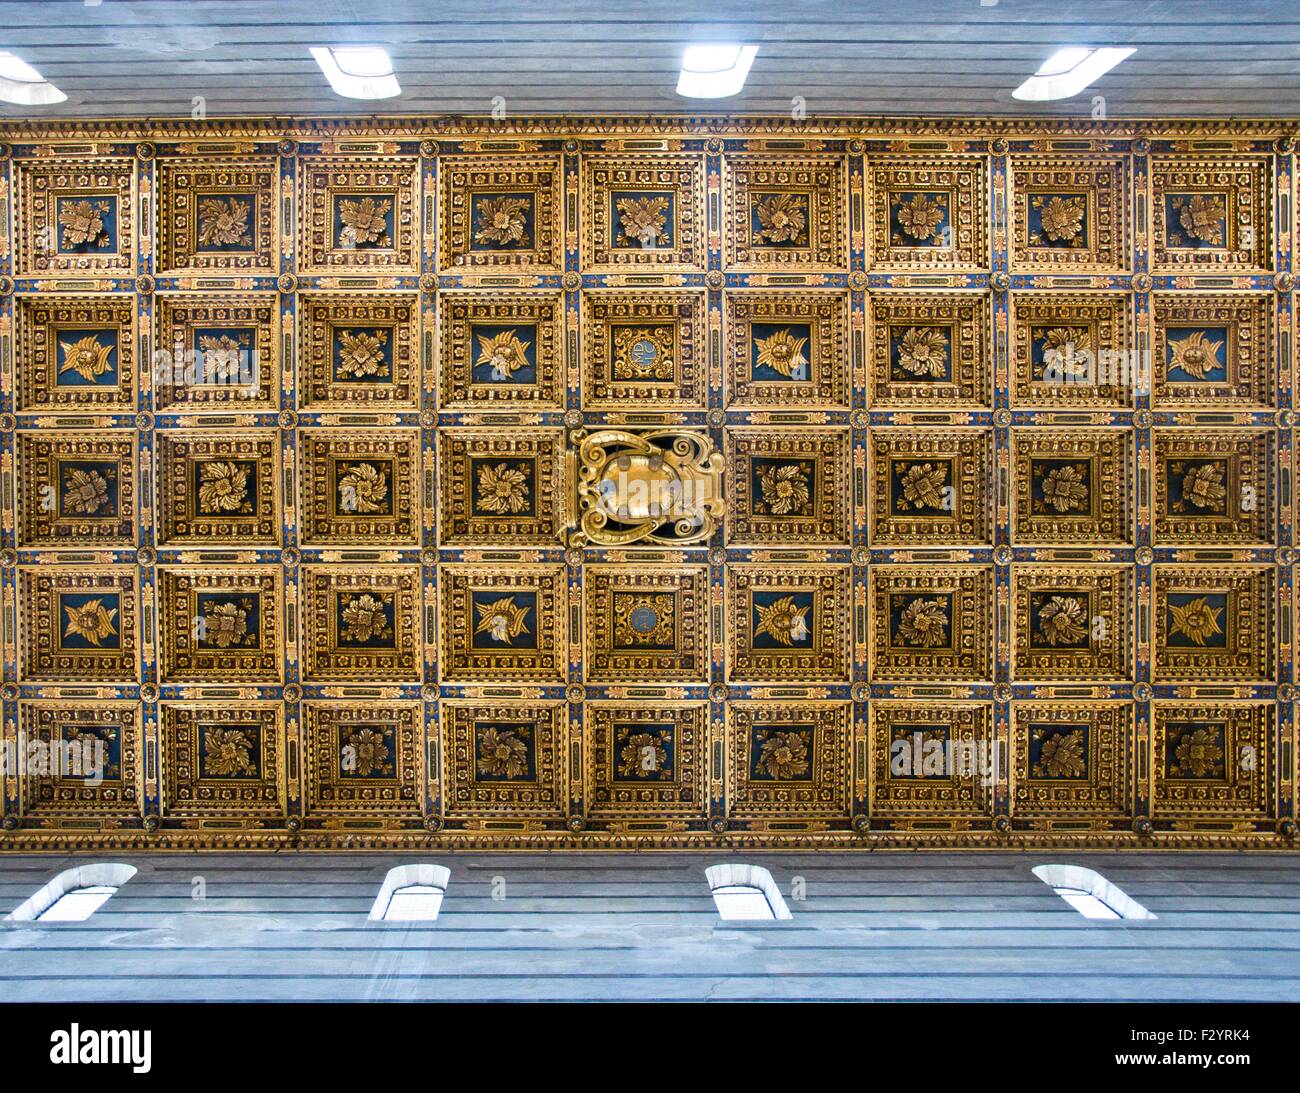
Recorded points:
(746, 893)
(74, 895)
(1068, 71)
(77, 906)
(20, 83)
(358, 72)
(1089, 893)
(714, 71)
(411, 893)
(738, 901)
(414, 903)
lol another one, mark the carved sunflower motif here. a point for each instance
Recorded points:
(1065, 489)
(363, 488)
(364, 619)
(221, 358)
(1067, 352)
(920, 218)
(89, 750)
(502, 488)
(226, 624)
(84, 492)
(923, 352)
(1062, 620)
(83, 223)
(783, 352)
(784, 755)
(364, 222)
(1203, 488)
(1198, 753)
(223, 487)
(642, 756)
(92, 622)
(785, 490)
(1062, 219)
(1202, 217)
(502, 754)
(87, 357)
(781, 219)
(502, 221)
(642, 221)
(361, 353)
(924, 623)
(223, 223)
(1196, 354)
(366, 753)
(227, 753)
(923, 485)
(1196, 620)
(504, 352)
(782, 621)
(502, 619)
(1061, 756)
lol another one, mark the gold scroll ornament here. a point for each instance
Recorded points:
(662, 487)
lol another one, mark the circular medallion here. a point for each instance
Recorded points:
(644, 354)
(644, 619)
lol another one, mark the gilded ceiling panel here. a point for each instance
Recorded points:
(647, 485)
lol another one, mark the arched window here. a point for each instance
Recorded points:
(74, 895)
(746, 893)
(411, 893)
(1089, 893)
